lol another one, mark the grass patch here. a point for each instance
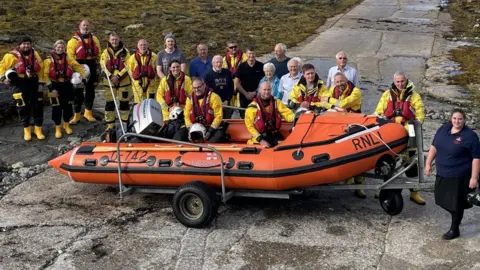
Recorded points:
(466, 15)
(262, 23)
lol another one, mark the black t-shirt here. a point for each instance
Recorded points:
(250, 76)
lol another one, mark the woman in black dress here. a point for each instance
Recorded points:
(456, 149)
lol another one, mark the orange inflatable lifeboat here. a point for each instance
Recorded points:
(321, 149)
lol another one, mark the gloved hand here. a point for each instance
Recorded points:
(209, 133)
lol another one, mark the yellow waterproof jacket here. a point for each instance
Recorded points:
(71, 62)
(148, 87)
(233, 59)
(163, 88)
(415, 101)
(215, 104)
(301, 87)
(10, 60)
(352, 102)
(74, 43)
(123, 55)
(251, 114)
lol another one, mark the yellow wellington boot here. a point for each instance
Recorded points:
(349, 181)
(75, 119)
(27, 133)
(360, 193)
(110, 126)
(38, 132)
(89, 116)
(67, 128)
(415, 196)
(58, 132)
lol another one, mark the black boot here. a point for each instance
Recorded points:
(451, 234)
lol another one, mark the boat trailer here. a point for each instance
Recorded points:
(195, 204)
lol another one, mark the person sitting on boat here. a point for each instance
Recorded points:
(308, 91)
(203, 107)
(401, 103)
(141, 67)
(263, 117)
(173, 89)
(343, 96)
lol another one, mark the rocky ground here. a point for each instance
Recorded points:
(49, 222)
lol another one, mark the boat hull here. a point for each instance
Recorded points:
(320, 150)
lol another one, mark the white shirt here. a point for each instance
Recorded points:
(349, 72)
(286, 85)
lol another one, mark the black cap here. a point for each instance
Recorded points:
(24, 39)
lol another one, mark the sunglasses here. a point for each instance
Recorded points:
(342, 58)
(233, 47)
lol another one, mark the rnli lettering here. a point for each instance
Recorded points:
(366, 141)
(130, 156)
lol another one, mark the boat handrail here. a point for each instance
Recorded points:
(212, 148)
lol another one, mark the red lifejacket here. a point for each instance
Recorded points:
(115, 61)
(59, 70)
(267, 121)
(238, 59)
(337, 94)
(202, 113)
(313, 97)
(84, 50)
(24, 64)
(401, 108)
(176, 94)
(143, 70)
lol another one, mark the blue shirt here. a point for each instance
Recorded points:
(198, 68)
(455, 152)
(274, 84)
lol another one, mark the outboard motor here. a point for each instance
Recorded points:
(144, 118)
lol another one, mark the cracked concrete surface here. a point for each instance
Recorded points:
(50, 222)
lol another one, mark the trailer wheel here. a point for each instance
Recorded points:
(391, 201)
(195, 204)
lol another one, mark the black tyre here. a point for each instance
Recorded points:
(195, 204)
(391, 201)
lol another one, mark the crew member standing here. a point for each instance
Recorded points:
(85, 48)
(141, 66)
(28, 92)
(113, 59)
(58, 71)
(402, 103)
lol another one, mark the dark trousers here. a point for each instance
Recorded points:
(89, 89)
(227, 113)
(62, 105)
(273, 138)
(244, 102)
(32, 101)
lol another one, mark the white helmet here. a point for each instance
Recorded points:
(11, 74)
(196, 132)
(87, 71)
(76, 79)
(175, 112)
